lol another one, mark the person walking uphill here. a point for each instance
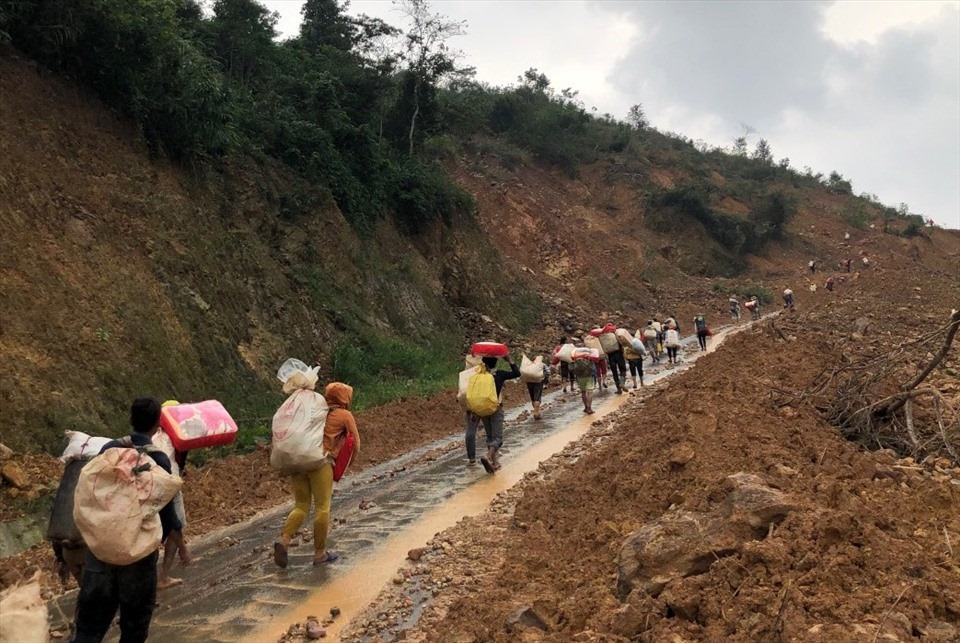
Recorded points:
(700, 322)
(318, 484)
(132, 588)
(493, 423)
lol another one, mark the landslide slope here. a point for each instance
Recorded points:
(123, 274)
(863, 547)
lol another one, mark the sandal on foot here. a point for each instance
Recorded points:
(485, 461)
(280, 555)
(331, 556)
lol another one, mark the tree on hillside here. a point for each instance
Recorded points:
(762, 152)
(534, 79)
(637, 117)
(244, 30)
(428, 58)
(740, 146)
(325, 24)
(836, 183)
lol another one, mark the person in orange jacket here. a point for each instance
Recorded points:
(318, 484)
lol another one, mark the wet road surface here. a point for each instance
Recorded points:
(234, 591)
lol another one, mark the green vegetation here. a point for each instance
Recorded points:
(383, 368)
(673, 209)
(360, 107)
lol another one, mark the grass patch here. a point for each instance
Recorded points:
(384, 369)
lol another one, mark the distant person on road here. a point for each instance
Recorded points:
(700, 323)
(755, 309)
(813, 266)
(635, 361)
(565, 374)
(788, 299)
(828, 284)
(865, 262)
(585, 372)
(734, 310)
(846, 264)
(535, 390)
(671, 342)
(618, 367)
(650, 339)
(132, 588)
(492, 424)
(318, 484)
(600, 374)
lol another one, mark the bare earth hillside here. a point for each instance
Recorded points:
(122, 275)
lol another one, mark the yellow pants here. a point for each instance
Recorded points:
(318, 484)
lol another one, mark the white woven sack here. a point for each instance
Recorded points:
(531, 371)
(463, 381)
(81, 445)
(297, 429)
(117, 503)
(609, 343)
(23, 614)
(564, 353)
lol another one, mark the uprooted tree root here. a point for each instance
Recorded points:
(862, 398)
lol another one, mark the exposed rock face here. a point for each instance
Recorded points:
(683, 543)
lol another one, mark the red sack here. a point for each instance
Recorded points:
(489, 349)
(709, 333)
(343, 458)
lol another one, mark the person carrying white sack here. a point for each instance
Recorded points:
(534, 374)
(308, 434)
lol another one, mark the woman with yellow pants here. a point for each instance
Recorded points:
(318, 484)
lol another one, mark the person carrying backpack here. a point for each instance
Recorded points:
(318, 484)
(734, 310)
(585, 370)
(493, 421)
(700, 322)
(132, 588)
(672, 343)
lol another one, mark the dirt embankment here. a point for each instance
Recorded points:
(864, 546)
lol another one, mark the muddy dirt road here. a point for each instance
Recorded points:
(234, 591)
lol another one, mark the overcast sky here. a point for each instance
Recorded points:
(870, 89)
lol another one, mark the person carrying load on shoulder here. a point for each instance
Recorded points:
(634, 353)
(754, 307)
(534, 373)
(565, 375)
(484, 400)
(650, 339)
(700, 322)
(132, 587)
(174, 547)
(585, 369)
(788, 299)
(828, 284)
(734, 310)
(316, 484)
(672, 343)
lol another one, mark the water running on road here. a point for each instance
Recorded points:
(234, 591)
(353, 590)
